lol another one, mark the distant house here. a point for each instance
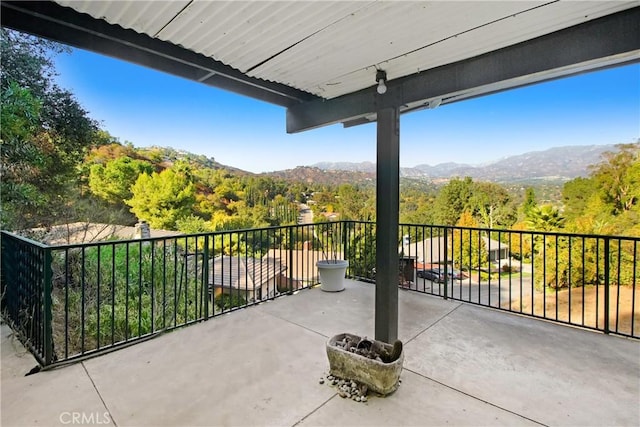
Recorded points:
(427, 253)
(498, 251)
(253, 279)
(431, 252)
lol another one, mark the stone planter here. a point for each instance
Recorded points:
(332, 274)
(378, 376)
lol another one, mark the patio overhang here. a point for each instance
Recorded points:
(320, 60)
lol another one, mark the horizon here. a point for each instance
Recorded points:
(150, 108)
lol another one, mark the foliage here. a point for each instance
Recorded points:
(361, 250)
(469, 250)
(122, 291)
(453, 199)
(528, 204)
(489, 203)
(608, 201)
(113, 180)
(228, 301)
(162, 198)
(544, 218)
(45, 133)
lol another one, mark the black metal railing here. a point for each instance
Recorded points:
(69, 301)
(26, 293)
(589, 281)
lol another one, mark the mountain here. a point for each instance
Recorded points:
(554, 164)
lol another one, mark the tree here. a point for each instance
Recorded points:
(575, 196)
(453, 199)
(162, 198)
(20, 155)
(468, 247)
(618, 178)
(112, 181)
(57, 133)
(545, 218)
(492, 205)
(529, 202)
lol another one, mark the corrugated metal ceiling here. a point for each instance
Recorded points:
(331, 48)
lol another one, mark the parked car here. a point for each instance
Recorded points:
(437, 274)
(456, 274)
(432, 274)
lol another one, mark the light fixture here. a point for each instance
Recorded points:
(381, 78)
(434, 103)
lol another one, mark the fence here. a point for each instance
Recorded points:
(69, 301)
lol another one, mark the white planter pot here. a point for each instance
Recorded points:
(332, 274)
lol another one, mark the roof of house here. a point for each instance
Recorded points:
(494, 245)
(242, 272)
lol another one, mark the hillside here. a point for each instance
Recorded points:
(316, 175)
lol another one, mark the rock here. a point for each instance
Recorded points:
(321, 381)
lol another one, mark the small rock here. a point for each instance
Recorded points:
(363, 399)
(343, 394)
(321, 380)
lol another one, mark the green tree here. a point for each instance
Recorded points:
(20, 154)
(162, 198)
(469, 250)
(618, 178)
(453, 199)
(575, 196)
(545, 218)
(529, 202)
(56, 136)
(113, 181)
(492, 205)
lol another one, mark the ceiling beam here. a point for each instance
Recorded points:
(62, 24)
(604, 42)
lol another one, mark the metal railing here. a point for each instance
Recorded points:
(590, 281)
(70, 301)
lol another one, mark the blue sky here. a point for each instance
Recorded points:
(147, 108)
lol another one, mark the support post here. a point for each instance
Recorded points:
(387, 207)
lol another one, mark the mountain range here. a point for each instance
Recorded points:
(554, 164)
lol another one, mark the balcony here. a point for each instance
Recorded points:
(464, 365)
(484, 350)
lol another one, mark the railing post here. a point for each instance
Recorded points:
(446, 261)
(289, 274)
(606, 285)
(345, 232)
(205, 274)
(48, 307)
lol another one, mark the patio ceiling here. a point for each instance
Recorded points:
(319, 58)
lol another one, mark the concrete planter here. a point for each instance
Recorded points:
(379, 377)
(332, 274)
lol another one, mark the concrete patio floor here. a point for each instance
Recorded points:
(464, 365)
